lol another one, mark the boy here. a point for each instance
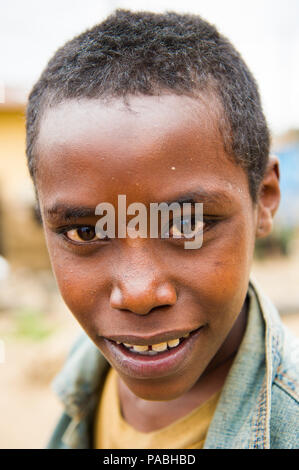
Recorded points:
(161, 108)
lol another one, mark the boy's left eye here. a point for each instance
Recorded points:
(82, 234)
(186, 227)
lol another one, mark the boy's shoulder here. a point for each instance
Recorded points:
(282, 346)
(283, 359)
(287, 374)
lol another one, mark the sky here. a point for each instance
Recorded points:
(266, 33)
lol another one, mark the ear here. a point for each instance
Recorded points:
(269, 198)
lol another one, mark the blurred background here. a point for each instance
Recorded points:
(36, 328)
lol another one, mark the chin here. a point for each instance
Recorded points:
(157, 390)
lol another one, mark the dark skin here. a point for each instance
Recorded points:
(157, 149)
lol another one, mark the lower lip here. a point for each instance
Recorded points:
(161, 365)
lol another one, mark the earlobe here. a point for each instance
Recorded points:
(265, 226)
(269, 198)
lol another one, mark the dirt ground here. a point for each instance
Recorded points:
(28, 407)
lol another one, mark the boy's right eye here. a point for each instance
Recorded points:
(81, 234)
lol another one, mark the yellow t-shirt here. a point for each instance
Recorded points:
(113, 432)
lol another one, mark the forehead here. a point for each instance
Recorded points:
(150, 144)
(104, 123)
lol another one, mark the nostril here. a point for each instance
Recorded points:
(160, 307)
(141, 309)
(146, 310)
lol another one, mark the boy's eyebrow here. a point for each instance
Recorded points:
(203, 196)
(61, 211)
(65, 212)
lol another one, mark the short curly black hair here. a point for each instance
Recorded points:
(148, 53)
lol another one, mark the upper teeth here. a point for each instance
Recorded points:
(154, 348)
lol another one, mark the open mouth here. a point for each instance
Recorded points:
(154, 349)
(153, 360)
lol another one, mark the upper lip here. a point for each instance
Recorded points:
(150, 339)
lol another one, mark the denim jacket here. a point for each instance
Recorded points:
(258, 407)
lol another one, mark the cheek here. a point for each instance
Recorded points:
(220, 272)
(81, 282)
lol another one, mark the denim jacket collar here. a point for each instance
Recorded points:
(242, 416)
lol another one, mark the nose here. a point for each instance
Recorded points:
(141, 295)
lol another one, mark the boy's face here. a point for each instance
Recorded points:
(146, 291)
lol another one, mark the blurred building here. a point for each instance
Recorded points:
(21, 237)
(287, 150)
